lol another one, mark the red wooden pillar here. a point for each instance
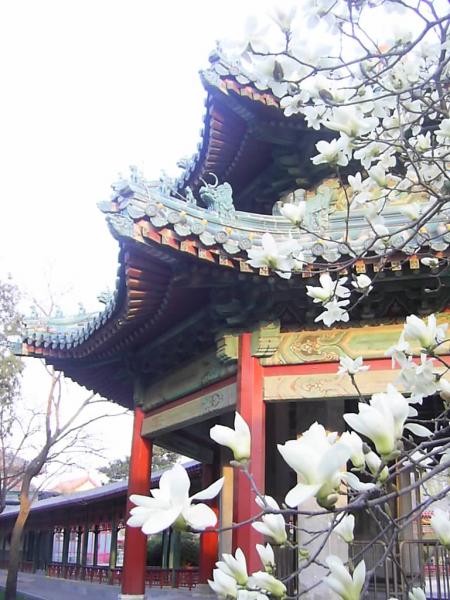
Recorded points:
(209, 540)
(250, 404)
(135, 550)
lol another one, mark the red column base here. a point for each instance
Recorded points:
(135, 549)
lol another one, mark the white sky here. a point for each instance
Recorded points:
(89, 87)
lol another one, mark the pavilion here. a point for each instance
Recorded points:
(193, 332)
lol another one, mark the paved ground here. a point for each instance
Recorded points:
(41, 587)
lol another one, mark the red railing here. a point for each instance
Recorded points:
(186, 578)
(154, 577)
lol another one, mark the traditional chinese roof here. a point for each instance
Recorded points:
(98, 494)
(247, 141)
(183, 264)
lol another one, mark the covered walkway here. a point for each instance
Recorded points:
(41, 587)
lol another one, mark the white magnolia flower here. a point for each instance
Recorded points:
(330, 153)
(223, 585)
(271, 525)
(345, 527)
(334, 312)
(291, 104)
(378, 174)
(170, 504)
(374, 151)
(328, 289)
(268, 583)
(237, 439)
(264, 69)
(355, 443)
(420, 380)
(351, 121)
(421, 143)
(443, 133)
(428, 335)
(355, 483)
(346, 586)
(356, 183)
(272, 255)
(441, 525)
(267, 556)
(444, 389)
(283, 16)
(372, 212)
(362, 283)
(417, 594)
(374, 464)
(255, 33)
(234, 566)
(398, 351)
(350, 366)
(313, 116)
(317, 457)
(411, 210)
(382, 420)
(294, 212)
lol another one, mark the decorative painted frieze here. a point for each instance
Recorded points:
(329, 345)
(319, 386)
(192, 411)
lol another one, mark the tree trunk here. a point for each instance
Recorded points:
(16, 541)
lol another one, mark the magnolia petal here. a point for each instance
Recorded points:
(359, 575)
(269, 501)
(333, 459)
(175, 484)
(217, 589)
(356, 423)
(240, 557)
(200, 516)
(158, 520)
(210, 492)
(240, 424)
(137, 520)
(338, 570)
(224, 585)
(336, 586)
(142, 510)
(355, 483)
(262, 528)
(222, 435)
(222, 565)
(300, 493)
(418, 430)
(142, 500)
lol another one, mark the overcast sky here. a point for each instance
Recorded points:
(89, 87)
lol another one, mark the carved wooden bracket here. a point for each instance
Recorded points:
(266, 339)
(227, 347)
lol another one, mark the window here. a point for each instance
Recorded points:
(73, 547)
(103, 548)
(90, 549)
(58, 542)
(120, 546)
